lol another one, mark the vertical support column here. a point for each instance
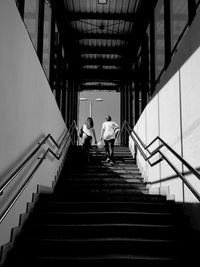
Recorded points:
(58, 95)
(133, 102)
(191, 10)
(40, 30)
(73, 102)
(64, 97)
(58, 74)
(67, 100)
(77, 93)
(52, 49)
(137, 94)
(126, 111)
(144, 72)
(75, 108)
(152, 56)
(69, 103)
(122, 111)
(130, 99)
(167, 27)
(20, 6)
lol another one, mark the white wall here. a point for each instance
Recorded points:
(28, 111)
(174, 115)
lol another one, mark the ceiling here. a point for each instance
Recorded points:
(100, 39)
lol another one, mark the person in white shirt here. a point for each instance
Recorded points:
(108, 134)
(87, 133)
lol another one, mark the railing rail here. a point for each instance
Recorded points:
(141, 147)
(14, 174)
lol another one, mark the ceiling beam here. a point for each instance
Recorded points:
(73, 16)
(107, 36)
(100, 75)
(101, 50)
(101, 62)
(100, 87)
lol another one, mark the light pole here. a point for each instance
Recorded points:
(90, 101)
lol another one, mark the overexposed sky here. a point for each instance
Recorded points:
(109, 106)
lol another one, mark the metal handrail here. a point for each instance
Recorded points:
(25, 162)
(140, 145)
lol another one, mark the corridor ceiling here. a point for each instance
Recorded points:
(101, 38)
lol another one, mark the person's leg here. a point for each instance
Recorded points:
(111, 148)
(89, 146)
(107, 149)
(86, 148)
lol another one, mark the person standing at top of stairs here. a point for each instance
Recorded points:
(109, 132)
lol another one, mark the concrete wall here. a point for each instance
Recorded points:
(28, 112)
(174, 115)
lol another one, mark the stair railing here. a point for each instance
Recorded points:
(69, 132)
(141, 147)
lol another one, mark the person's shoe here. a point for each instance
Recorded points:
(107, 160)
(111, 163)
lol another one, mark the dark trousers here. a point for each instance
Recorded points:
(109, 147)
(86, 147)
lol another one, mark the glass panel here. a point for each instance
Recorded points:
(31, 19)
(197, 2)
(159, 38)
(179, 18)
(46, 39)
(55, 60)
(149, 61)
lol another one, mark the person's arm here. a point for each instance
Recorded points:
(116, 129)
(94, 134)
(102, 132)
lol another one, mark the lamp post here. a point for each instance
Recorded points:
(90, 101)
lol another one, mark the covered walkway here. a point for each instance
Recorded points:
(51, 50)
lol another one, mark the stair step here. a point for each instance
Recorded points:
(107, 174)
(106, 206)
(93, 185)
(97, 261)
(114, 192)
(107, 180)
(101, 197)
(100, 246)
(104, 217)
(100, 214)
(116, 167)
(84, 231)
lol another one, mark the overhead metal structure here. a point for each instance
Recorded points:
(100, 39)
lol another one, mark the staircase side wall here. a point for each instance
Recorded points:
(28, 112)
(174, 115)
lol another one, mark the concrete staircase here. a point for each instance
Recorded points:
(101, 215)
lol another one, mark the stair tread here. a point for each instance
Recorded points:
(118, 256)
(106, 239)
(108, 202)
(100, 213)
(106, 212)
(109, 225)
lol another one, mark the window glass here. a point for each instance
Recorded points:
(149, 61)
(159, 38)
(197, 2)
(179, 19)
(46, 39)
(31, 19)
